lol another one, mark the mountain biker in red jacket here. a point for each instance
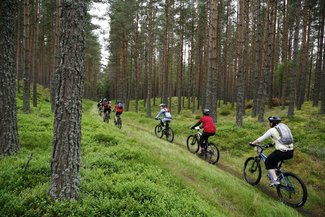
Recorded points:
(209, 129)
(118, 109)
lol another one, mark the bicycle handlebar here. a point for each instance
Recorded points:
(263, 146)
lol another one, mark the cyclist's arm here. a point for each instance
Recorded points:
(266, 135)
(195, 125)
(160, 112)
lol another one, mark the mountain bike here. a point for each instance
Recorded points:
(212, 153)
(118, 121)
(100, 110)
(291, 190)
(106, 117)
(160, 131)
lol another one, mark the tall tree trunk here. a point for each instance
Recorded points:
(319, 58)
(303, 66)
(180, 60)
(295, 61)
(258, 57)
(65, 165)
(165, 64)
(9, 143)
(137, 66)
(240, 72)
(54, 58)
(35, 52)
(26, 74)
(285, 55)
(322, 88)
(150, 57)
(213, 60)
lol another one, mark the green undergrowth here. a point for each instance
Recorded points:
(130, 172)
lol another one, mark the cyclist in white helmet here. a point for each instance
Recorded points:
(165, 112)
(283, 140)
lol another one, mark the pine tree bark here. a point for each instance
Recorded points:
(322, 88)
(9, 143)
(213, 60)
(150, 57)
(295, 61)
(319, 58)
(165, 64)
(26, 74)
(65, 165)
(240, 72)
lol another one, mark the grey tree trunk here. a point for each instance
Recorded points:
(150, 57)
(65, 165)
(26, 73)
(9, 143)
(240, 72)
(213, 60)
(295, 61)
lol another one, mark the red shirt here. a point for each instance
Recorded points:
(208, 124)
(117, 109)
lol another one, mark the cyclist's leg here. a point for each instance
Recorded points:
(162, 122)
(271, 163)
(167, 123)
(203, 140)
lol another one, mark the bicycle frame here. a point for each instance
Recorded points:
(263, 157)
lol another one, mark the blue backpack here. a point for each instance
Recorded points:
(119, 105)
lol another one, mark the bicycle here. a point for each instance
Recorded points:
(160, 131)
(212, 153)
(106, 117)
(292, 191)
(118, 121)
(100, 110)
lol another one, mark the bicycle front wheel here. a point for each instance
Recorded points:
(169, 134)
(192, 144)
(292, 191)
(252, 171)
(212, 154)
(158, 131)
(119, 123)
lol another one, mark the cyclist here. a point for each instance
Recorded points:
(107, 106)
(100, 106)
(209, 129)
(283, 140)
(118, 109)
(165, 112)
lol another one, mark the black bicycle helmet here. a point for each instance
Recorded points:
(274, 120)
(162, 105)
(206, 111)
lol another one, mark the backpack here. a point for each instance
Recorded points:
(119, 105)
(167, 113)
(286, 137)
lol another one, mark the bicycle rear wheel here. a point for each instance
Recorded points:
(212, 154)
(158, 131)
(292, 191)
(192, 144)
(252, 171)
(169, 134)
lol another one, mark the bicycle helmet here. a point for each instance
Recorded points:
(274, 120)
(162, 105)
(206, 111)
